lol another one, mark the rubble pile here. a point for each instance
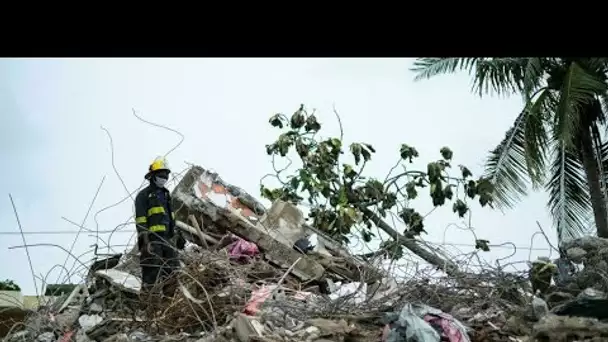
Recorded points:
(592, 253)
(241, 279)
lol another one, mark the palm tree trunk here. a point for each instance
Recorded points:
(593, 179)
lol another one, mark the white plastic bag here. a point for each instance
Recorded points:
(359, 296)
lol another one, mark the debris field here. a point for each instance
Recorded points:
(241, 279)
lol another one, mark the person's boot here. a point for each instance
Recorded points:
(170, 286)
(151, 299)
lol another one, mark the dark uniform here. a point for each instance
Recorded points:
(155, 218)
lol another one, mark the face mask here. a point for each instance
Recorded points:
(160, 182)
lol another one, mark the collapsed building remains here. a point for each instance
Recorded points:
(241, 279)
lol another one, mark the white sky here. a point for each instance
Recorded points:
(55, 153)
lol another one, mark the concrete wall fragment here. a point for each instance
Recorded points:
(204, 193)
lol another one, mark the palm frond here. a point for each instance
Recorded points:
(533, 77)
(506, 167)
(500, 76)
(520, 157)
(569, 201)
(536, 137)
(578, 89)
(598, 65)
(428, 67)
(603, 165)
(603, 100)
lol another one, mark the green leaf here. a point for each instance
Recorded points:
(446, 153)
(482, 244)
(312, 125)
(460, 207)
(356, 149)
(270, 149)
(413, 220)
(447, 191)
(471, 188)
(366, 155)
(350, 213)
(302, 148)
(408, 152)
(484, 188)
(298, 119)
(349, 172)
(367, 235)
(277, 120)
(269, 194)
(343, 198)
(336, 143)
(465, 171)
(389, 201)
(433, 171)
(410, 189)
(294, 182)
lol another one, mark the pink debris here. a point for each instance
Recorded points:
(259, 296)
(385, 331)
(448, 329)
(242, 249)
(67, 337)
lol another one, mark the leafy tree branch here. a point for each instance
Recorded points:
(342, 197)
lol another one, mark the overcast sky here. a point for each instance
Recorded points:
(55, 153)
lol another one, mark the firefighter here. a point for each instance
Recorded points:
(155, 222)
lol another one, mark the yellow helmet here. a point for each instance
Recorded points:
(160, 163)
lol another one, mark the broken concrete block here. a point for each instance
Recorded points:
(89, 321)
(122, 280)
(68, 317)
(244, 328)
(576, 254)
(95, 308)
(209, 187)
(284, 222)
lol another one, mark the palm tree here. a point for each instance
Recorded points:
(564, 112)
